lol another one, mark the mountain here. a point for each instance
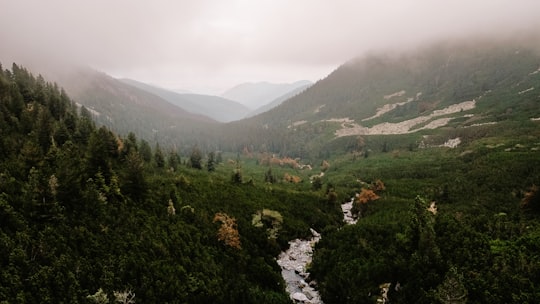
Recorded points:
(125, 108)
(90, 216)
(256, 95)
(455, 88)
(276, 102)
(105, 217)
(218, 108)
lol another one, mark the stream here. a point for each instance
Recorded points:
(293, 263)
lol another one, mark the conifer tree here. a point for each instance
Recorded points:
(174, 160)
(158, 157)
(195, 159)
(210, 165)
(145, 151)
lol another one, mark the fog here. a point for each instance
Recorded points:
(209, 46)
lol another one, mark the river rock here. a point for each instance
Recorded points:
(298, 296)
(347, 214)
(293, 263)
(310, 293)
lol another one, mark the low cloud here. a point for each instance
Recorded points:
(216, 44)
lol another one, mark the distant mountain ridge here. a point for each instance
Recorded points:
(256, 95)
(276, 102)
(125, 108)
(215, 107)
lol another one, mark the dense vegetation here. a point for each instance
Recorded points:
(193, 215)
(480, 246)
(88, 216)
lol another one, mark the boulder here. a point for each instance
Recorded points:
(298, 296)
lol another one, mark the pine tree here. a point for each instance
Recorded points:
(195, 158)
(210, 165)
(173, 160)
(269, 176)
(158, 157)
(134, 180)
(145, 151)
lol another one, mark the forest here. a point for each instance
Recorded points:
(450, 226)
(88, 216)
(91, 216)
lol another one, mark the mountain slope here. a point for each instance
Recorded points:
(218, 108)
(448, 86)
(429, 80)
(256, 95)
(125, 108)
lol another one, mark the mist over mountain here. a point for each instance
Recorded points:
(432, 154)
(276, 102)
(256, 95)
(125, 108)
(218, 108)
(405, 168)
(380, 93)
(446, 86)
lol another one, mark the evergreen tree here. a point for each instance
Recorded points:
(237, 176)
(210, 166)
(219, 158)
(269, 176)
(195, 159)
(145, 151)
(102, 146)
(130, 144)
(85, 114)
(174, 160)
(158, 157)
(134, 179)
(317, 183)
(85, 126)
(61, 133)
(44, 128)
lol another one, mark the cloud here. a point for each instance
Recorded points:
(190, 42)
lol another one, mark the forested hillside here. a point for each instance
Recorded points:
(453, 86)
(448, 225)
(125, 108)
(88, 216)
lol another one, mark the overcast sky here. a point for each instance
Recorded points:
(209, 46)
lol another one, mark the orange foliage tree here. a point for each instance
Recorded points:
(291, 178)
(366, 195)
(378, 186)
(531, 199)
(228, 231)
(325, 165)
(267, 159)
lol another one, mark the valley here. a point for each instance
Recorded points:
(400, 178)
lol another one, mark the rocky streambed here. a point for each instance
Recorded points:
(295, 260)
(293, 264)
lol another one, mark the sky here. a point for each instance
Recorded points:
(208, 46)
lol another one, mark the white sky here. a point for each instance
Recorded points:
(209, 46)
